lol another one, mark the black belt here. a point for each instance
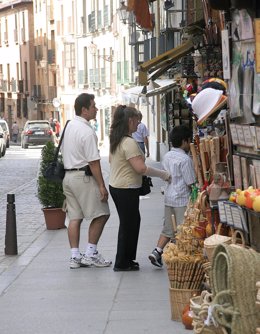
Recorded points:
(85, 169)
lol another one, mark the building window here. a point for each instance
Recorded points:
(69, 49)
(6, 32)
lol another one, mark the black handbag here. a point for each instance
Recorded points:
(55, 170)
(146, 186)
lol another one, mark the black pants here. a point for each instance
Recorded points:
(127, 205)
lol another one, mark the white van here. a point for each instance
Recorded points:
(5, 127)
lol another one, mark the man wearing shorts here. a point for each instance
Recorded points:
(176, 195)
(83, 184)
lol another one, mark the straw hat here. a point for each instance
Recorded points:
(206, 102)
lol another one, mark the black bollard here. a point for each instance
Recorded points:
(10, 233)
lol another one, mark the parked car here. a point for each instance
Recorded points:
(2, 142)
(5, 127)
(36, 132)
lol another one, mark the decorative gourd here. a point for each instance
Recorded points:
(240, 199)
(249, 200)
(256, 203)
(233, 197)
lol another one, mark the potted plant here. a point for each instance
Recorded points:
(50, 193)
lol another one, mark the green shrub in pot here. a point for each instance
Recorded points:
(50, 193)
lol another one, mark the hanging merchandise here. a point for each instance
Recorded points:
(236, 26)
(207, 102)
(241, 88)
(241, 4)
(236, 83)
(220, 4)
(256, 97)
(215, 83)
(248, 64)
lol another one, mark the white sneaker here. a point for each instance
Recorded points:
(75, 262)
(96, 260)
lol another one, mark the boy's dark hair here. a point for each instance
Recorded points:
(178, 134)
(83, 100)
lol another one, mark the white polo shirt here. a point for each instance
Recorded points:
(79, 145)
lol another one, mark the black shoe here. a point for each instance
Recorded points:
(134, 264)
(131, 268)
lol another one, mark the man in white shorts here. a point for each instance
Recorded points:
(83, 184)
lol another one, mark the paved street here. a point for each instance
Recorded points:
(39, 294)
(18, 170)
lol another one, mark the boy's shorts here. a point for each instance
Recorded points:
(178, 212)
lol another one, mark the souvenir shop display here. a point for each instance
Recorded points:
(213, 263)
(184, 257)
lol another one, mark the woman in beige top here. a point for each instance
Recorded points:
(127, 165)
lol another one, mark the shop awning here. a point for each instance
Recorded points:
(159, 86)
(164, 86)
(163, 62)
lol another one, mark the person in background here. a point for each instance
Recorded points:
(15, 132)
(57, 127)
(95, 125)
(52, 124)
(127, 165)
(83, 184)
(141, 135)
(179, 165)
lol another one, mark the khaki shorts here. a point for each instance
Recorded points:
(167, 230)
(83, 196)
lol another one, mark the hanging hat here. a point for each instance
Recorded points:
(206, 102)
(215, 83)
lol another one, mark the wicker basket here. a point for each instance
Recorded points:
(180, 298)
(186, 275)
(212, 242)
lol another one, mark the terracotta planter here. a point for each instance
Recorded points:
(54, 218)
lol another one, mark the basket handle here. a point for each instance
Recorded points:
(238, 235)
(218, 228)
(174, 225)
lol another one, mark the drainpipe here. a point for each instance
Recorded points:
(157, 99)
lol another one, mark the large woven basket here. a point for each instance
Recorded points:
(186, 275)
(180, 298)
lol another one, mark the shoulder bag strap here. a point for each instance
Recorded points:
(61, 138)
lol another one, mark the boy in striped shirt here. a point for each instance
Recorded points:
(179, 164)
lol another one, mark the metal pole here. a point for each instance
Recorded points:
(10, 234)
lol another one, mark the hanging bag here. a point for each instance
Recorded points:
(55, 170)
(146, 186)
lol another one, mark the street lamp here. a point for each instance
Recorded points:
(93, 50)
(123, 12)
